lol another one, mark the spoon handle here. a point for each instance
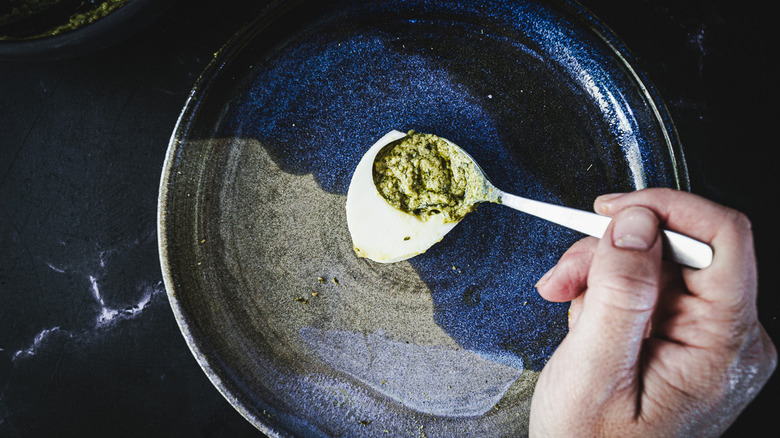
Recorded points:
(680, 248)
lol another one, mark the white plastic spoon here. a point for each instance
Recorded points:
(385, 234)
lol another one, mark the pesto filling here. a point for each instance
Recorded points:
(423, 175)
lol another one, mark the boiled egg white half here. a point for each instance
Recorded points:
(380, 231)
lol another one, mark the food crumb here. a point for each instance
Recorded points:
(302, 300)
(320, 280)
(335, 281)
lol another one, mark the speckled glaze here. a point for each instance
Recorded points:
(306, 339)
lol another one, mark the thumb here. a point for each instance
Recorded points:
(622, 290)
(596, 367)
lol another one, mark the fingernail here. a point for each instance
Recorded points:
(635, 228)
(546, 277)
(603, 201)
(609, 196)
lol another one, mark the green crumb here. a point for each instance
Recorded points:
(335, 281)
(365, 422)
(302, 300)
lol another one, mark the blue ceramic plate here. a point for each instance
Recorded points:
(299, 334)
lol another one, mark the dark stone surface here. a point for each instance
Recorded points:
(88, 344)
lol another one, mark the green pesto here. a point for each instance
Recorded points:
(22, 9)
(424, 175)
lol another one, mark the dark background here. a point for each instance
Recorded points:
(88, 343)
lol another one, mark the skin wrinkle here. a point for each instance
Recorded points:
(643, 298)
(597, 406)
(693, 313)
(640, 385)
(737, 307)
(652, 403)
(718, 314)
(623, 373)
(667, 334)
(685, 401)
(623, 367)
(699, 382)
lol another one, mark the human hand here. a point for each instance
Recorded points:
(654, 349)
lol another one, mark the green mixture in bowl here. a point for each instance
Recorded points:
(31, 19)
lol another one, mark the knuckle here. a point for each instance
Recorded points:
(736, 224)
(666, 192)
(741, 222)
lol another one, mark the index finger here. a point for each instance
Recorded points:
(731, 278)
